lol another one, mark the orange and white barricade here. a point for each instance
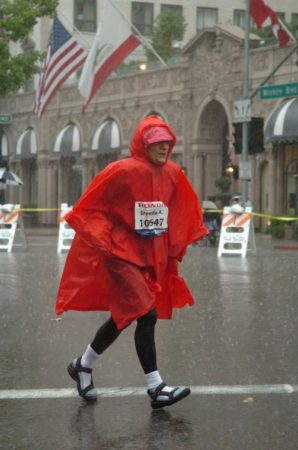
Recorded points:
(10, 222)
(66, 233)
(237, 232)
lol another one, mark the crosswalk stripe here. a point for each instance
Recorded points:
(18, 394)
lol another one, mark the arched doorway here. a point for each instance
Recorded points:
(104, 147)
(3, 161)
(66, 153)
(212, 155)
(24, 163)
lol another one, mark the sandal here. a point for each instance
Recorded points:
(169, 398)
(89, 392)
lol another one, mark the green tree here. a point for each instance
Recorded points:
(17, 19)
(168, 28)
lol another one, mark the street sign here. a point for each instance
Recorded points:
(242, 110)
(245, 170)
(5, 119)
(278, 91)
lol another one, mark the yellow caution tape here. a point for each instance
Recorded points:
(38, 209)
(284, 219)
(266, 216)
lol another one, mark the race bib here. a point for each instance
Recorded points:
(151, 218)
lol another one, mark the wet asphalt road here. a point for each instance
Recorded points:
(242, 333)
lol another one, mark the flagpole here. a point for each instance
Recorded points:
(142, 39)
(244, 160)
(287, 30)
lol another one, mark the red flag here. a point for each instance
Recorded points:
(264, 16)
(113, 42)
(64, 56)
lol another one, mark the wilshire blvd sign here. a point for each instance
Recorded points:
(279, 90)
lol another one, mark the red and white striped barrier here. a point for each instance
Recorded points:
(10, 221)
(237, 232)
(66, 233)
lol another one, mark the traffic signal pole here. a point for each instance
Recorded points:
(244, 154)
(244, 164)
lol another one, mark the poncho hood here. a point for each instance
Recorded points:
(138, 146)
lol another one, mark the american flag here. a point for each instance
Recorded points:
(64, 56)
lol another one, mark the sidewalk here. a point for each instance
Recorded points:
(267, 241)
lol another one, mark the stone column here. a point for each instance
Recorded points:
(42, 176)
(186, 117)
(85, 170)
(52, 192)
(198, 172)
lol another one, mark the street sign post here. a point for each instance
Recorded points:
(279, 91)
(5, 119)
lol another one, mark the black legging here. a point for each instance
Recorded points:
(144, 339)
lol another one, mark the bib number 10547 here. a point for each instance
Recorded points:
(151, 218)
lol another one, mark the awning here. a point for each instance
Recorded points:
(106, 138)
(26, 145)
(68, 141)
(281, 126)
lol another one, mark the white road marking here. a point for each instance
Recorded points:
(18, 394)
(41, 244)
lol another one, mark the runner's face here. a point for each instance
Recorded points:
(158, 152)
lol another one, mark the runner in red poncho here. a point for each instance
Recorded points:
(133, 224)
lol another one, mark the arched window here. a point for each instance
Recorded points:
(3, 148)
(26, 145)
(68, 141)
(106, 139)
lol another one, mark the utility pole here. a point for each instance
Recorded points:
(245, 176)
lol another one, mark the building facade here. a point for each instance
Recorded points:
(57, 156)
(198, 14)
(83, 16)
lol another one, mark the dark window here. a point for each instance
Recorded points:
(239, 18)
(85, 15)
(281, 15)
(206, 17)
(142, 17)
(294, 21)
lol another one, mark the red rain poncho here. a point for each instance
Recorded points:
(112, 267)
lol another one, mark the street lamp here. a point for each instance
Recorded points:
(230, 169)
